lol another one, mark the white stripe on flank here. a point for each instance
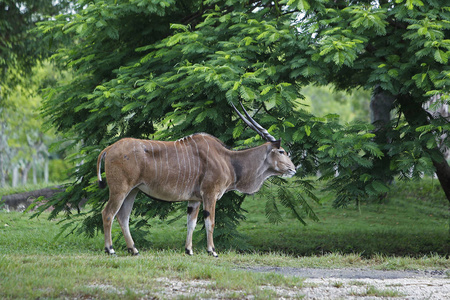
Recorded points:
(179, 166)
(193, 176)
(207, 153)
(167, 162)
(198, 156)
(159, 160)
(153, 155)
(183, 183)
(207, 160)
(188, 183)
(145, 157)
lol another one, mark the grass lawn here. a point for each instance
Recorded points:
(412, 221)
(408, 230)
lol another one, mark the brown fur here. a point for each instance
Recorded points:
(197, 168)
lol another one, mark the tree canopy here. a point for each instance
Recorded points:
(165, 69)
(19, 47)
(23, 73)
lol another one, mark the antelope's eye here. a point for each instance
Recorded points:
(282, 152)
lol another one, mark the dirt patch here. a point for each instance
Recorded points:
(20, 201)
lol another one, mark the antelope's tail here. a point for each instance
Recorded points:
(101, 183)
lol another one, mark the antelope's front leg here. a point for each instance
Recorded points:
(192, 214)
(209, 211)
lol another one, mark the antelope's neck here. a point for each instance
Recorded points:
(250, 169)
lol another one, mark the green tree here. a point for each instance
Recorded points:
(153, 85)
(402, 48)
(25, 139)
(20, 50)
(175, 66)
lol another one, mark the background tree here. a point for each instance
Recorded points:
(401, 47)
(20, 50)
(176, 66)
(25, 140)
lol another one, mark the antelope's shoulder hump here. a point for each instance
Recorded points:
(201, 136)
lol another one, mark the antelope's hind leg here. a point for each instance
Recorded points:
(192, 214)
(116, 200)
(123, 217)
(109, 212)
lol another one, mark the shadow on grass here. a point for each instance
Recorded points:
(367, 244)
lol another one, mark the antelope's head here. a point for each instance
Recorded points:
(277, 160)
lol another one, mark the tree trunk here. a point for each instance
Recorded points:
(443, 174)
(34, 174)
(46, 170)
(2, 172)
(416, 116)
(15, 176)
(2, 150)
(381, 104)
(441, 111)
(25, 171)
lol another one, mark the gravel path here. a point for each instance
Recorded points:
(359, 284)
(350, 273)
(365, 283)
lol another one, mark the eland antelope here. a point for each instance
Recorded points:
(197, 168)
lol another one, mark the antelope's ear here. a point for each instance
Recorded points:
(277, 144)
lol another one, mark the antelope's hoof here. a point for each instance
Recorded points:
(188, 252)
(110, 251)
(213, 253)
(131, 251)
